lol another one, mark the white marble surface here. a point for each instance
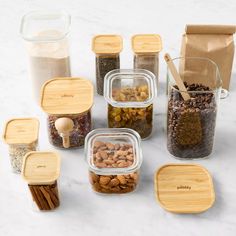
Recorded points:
(83, 212)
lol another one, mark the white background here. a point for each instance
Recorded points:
(83, 212)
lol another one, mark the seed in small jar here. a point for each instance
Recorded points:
(104, 180)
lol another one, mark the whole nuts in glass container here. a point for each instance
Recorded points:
(68, 102)
(130, 95)
(21, 134)
(146, 49)
(107, 49)
(41, 171)
(114, 158)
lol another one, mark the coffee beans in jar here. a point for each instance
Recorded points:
(114, 165)
(139, 119)
(191, 123)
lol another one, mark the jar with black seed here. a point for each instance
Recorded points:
(107, 49)
(191, 123)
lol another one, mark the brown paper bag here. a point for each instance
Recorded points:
(214, 42)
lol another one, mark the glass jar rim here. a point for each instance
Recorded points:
(46, 13)
(218, 80)
(114, 132)
(110, 76)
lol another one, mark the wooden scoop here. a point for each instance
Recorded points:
(64, 126)
(177, 78)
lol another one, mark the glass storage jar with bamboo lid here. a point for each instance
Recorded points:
(130, 95)
(107, 49)
(21, 134)
(68, 103)
(146, 48)
(114, 158)
(41, 171)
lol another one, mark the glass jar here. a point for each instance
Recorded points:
(21, 134)
(41, 171)
(191, 123)
(45, 34)
(68, 103)
(130, 95)
(146, 49)
(107, 49)
(114, 158)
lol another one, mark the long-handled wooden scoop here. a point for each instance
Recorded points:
(64, 126)
(177, 78)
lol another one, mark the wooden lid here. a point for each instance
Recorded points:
(67, 96)
(41, 167)
(184, 188)
(146, 43)
(21, 131)
(107, 44)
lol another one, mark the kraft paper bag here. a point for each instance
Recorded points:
(210, 41)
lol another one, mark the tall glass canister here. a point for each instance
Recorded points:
(191, 123)
(107, 49)
(45, 34)
(146, 48)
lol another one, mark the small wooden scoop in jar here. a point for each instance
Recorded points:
(64, 126)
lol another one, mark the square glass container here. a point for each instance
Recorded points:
(130, 95)
(114, 158)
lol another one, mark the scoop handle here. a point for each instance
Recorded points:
(177, 78)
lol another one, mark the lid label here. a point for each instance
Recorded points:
(183, 187)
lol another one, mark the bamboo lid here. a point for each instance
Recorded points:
(146, 43)
(67, 96)
(21, 131)
(41, 168)
(184, 188)
(107, 44)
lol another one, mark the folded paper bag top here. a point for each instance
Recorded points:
(211, 41)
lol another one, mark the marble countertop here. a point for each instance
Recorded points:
(83, 212)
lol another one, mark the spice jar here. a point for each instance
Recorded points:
(41, 171)
(45, 34)
(107, 49)
(146, 49)
(191, 123)
(68, 102)
(21, 134)
(130, 95)
(114, 158)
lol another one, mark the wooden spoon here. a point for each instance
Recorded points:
(64, 126)
(177, 78)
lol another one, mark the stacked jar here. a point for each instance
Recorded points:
(114, 159)
(68, 103)
(146, 49)
(45, 34)
(21, 134)
(107, 49)
(130, 95)
(41, 171)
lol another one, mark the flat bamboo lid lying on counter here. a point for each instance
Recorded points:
(146, 43)
(41, 168)
(67, 96)
(21, 131)
(184, 188)
(107, 44)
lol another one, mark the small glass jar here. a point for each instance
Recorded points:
(130, 95)
(45, 34)
(146, 49)
(107, 49)
(68, 103)
(191, 123)
(114, 158)
(41, 171)
(21, 134)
